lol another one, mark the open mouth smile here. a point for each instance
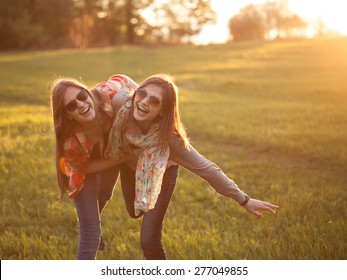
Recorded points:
(85, 111)
(142, 109)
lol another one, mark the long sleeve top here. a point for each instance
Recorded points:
(193, 161)
(77, 148)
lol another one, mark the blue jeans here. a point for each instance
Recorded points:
(97, 190)
(152, 222)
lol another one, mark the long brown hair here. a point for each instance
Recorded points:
(170, 121)
(64, 126)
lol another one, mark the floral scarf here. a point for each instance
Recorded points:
(151, 164)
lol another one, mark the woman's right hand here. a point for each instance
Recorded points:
(254, 205)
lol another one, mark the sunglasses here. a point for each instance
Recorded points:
(141, 94)
(81, 96)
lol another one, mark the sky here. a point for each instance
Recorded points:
(331, 12)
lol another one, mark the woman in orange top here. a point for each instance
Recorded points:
(82, 119)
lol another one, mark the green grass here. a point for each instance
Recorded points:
(271, 115)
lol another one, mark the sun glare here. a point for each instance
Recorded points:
(330, 13)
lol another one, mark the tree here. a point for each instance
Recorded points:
(13, 20)
(280, 20)
(122, 21)
(272, 20)
(84, 16)
(163, 20)
(83, 23)
(248, 24)
(179, 19)
(136, 25)
(34, 23)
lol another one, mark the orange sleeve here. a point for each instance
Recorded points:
(74, 164)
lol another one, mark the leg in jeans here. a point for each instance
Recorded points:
(107, 180)
(152, 223)
(98, 188)
(127, 176)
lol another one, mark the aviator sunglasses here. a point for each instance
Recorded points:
(141, 94)
(81, 96)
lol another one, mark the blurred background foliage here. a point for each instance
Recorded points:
(52, 24)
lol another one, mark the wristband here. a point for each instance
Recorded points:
(243, 203)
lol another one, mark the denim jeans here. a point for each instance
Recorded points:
(152, 222)
(97, 190)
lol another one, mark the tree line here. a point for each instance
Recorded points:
(42, 24)
(271, 20)
(84, 23)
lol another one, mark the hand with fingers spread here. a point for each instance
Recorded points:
(253, 206)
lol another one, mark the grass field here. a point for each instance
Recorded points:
(271, 115)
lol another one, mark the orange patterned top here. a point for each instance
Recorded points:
(77, 148)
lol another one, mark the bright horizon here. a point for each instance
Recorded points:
(330, 12)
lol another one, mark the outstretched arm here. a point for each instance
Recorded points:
(206, 169)
(196, 163)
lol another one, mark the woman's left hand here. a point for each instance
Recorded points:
(254, 205)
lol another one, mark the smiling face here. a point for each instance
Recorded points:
(84, 109)
(145, 112)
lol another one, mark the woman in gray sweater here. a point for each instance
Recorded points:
(148, 125)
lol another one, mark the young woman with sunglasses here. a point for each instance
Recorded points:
(148, 125)
(82, 119)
